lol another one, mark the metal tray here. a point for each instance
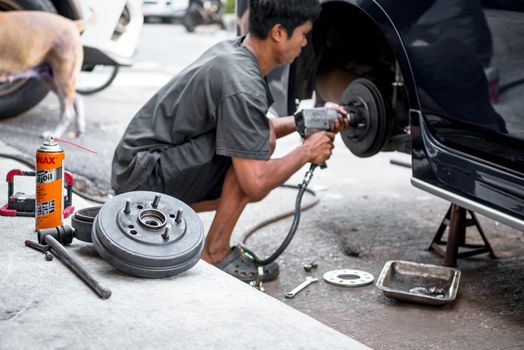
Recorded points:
(419, 283)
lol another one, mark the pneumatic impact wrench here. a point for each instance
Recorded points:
(312, 120)
(308, 122)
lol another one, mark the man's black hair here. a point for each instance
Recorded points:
(264, 14)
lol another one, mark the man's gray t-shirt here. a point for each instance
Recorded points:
(182, 140)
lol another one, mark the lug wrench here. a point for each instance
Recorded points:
(45, 249)
(77, 267)
(36, 246)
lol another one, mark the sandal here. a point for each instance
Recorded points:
(240, 265)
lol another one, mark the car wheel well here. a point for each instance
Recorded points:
(350, 45)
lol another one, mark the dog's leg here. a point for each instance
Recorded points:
(65, 73)
(78, 102)
(63, 87)
(80, 122)
(66, 115)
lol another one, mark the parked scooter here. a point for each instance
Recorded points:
(203, 12)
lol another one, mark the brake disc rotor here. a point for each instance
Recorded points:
(148, 234)
(348, 278)
(363, 98)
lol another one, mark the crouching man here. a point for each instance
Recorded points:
(204, 138)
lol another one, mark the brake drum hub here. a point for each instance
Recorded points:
(148, 234)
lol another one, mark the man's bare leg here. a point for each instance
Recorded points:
(204, 206)
(230, 206)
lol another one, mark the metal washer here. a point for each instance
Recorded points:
(334, 277)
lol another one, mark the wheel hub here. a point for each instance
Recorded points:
(368, 133)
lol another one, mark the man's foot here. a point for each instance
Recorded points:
(216, 257)
(244, 268)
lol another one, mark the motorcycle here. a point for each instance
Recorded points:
(109, 42)
(203, 12)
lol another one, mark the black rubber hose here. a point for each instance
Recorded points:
(294, 225)
(280, 216)
(510, 85)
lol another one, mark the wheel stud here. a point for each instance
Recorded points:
(156, 201)
(178, 217)
(165, 235)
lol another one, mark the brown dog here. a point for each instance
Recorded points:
(46, 46)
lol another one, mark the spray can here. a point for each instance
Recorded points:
(49, 185)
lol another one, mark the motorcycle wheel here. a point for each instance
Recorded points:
(188, 24)
(20, 96)
(92, 82)
(193, 17)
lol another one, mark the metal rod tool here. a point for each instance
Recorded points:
(77, 267)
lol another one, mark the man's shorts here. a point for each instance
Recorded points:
(190, 185)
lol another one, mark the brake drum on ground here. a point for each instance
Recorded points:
(148, 234)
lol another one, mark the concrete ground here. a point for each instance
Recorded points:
(43, 305)
(368, 214)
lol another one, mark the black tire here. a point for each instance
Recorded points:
(167, 20)
(22, 95)
(193, 18)
(188, 24)
(105, 84)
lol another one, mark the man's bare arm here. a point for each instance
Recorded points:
(283, 126)
(258, 177)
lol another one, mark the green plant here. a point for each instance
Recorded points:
(229, 6)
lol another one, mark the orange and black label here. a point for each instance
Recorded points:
(49, 190)
(48, 176)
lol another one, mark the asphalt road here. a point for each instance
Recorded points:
(368, 214)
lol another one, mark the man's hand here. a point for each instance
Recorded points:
(320, 146)
(342, 123)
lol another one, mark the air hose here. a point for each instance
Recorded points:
(296, 219)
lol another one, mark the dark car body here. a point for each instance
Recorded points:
(450, 77)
